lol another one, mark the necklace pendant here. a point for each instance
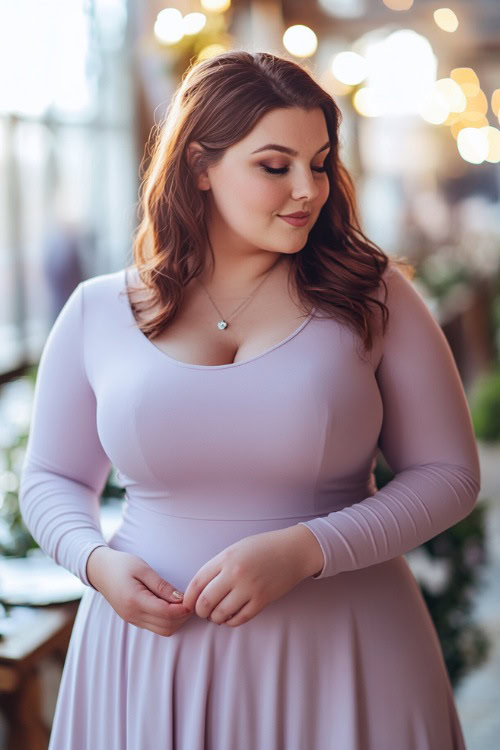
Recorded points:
(222, 324)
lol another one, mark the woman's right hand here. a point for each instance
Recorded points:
(135, 591)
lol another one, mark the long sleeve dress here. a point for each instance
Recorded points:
(349, 658)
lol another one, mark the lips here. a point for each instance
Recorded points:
(296, 221)
(296, 215)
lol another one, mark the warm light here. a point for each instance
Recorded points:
(478, 103)
(211, 50)
(467, 80)
(168, 26)
(365, 101)
(446, 19)
(349, 68)
(435, 109)
(332, 85)
(398, 4)
(444, 101)
(300, 41)
(215, 6)
(401, 69)
(192, 23)
(452, 94)
(495, 102)
(473, 145)
(493, 138)
(468, 121)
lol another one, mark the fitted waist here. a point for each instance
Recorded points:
(176, 547)
(293, 504)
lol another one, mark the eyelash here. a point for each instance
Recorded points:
(284, 170)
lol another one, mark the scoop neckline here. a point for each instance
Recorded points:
(193, 366)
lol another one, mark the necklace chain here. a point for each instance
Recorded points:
(223, 322)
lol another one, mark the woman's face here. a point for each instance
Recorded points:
(246, 198)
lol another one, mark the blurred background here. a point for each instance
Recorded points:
(83, 82)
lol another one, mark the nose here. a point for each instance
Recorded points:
(305, 186)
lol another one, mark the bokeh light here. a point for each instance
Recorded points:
(398, 4)
(215, 6)
(495, 102)
(349, 68)
(446, 19)
(192, 23)
(210, 51)
(168, 27)
(401, 68)
(367, 103)
(300, 41)
(493, 137)
(472, 144)
(467, 80)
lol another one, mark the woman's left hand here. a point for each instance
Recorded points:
(245, 577)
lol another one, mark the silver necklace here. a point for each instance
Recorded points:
(223, 322)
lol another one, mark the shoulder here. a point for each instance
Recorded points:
(101, 289)
(405, 293)
(413, 315)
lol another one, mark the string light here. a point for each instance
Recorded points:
(192, 23)
(168, 26)
(472, 144)
(493, 137)
(467, 80)
(215, 6)
(398, 4)
(446, 19)
(300, 41)
(349, 68)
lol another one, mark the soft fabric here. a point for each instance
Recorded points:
(347, 660)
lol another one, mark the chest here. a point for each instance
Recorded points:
(254, 325)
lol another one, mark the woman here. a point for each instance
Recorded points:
(246, 443)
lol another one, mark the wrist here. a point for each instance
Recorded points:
(308, 549)
(96, 560)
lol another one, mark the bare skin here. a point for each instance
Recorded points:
(135, 591)
(143, 598)
(263, 321)
(248, 237)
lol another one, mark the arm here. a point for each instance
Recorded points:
(426, 438)
(65, 467)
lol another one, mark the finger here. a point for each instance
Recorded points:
(244, 615)
(198, 583)
(151, 604)
(229, 606)
(160, 627)
(158, 585)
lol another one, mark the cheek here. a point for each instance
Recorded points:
(264, 194)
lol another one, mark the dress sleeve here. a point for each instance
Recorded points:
(426, 437)
(65, 467)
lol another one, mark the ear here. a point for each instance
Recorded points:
(202, 179)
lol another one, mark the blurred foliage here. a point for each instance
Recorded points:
(465, 646)
(15, 539)
(485, 406)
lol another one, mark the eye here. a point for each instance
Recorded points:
(284, 170)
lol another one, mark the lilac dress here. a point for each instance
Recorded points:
(348, 659)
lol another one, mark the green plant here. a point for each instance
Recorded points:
(485, 406)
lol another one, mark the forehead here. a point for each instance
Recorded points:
(300, 129)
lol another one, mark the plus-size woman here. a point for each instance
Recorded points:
(242, 375)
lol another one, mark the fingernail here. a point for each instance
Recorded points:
(177, 594)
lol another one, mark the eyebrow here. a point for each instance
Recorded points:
(285, 149)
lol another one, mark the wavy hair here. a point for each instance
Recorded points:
(217, 103)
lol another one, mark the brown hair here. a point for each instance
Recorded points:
(217, 103)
